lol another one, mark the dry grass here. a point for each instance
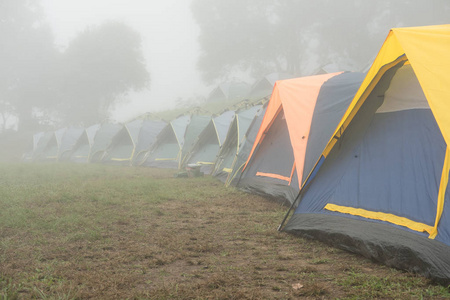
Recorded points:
(103, 232)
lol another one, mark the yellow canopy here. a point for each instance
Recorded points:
(427, 49)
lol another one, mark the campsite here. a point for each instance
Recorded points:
(117, 232)
(323, 148)
(212, 149)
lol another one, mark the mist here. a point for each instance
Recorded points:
(78, 63)
(169, 44)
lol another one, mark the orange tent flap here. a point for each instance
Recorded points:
(298, 98)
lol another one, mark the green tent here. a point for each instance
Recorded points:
(82, 148)
(47, 148)
(246, 147)
(166, 151)
(197, 124)
(28, 156)
(121, 149)
(68, 142)
(102, 140)
(227, 156)
(147, 136)
(209, 141)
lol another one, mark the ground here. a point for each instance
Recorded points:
(108, 232)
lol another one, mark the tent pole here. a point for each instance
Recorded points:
(289, 211)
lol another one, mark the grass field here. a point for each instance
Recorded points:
(106, 232)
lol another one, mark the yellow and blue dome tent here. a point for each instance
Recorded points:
(380, 187)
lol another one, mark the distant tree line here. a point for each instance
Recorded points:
(258, 37)
(40, 83)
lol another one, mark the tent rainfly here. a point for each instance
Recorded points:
(227, 157)
(28, 156)
(299, 120)
(147, 136)
(246, 147)
(380, 187)
(82, 148)
(47, 148)
(122, 147)
(209, 141)
(68, 141)
(166, 151)
(102, 139)
(196, 125)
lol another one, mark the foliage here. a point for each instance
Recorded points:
(102, 63)
(40, 84)
(298, 36)
(28, 59)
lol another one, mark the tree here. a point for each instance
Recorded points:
(258, 37)
(101, 64)
(235, 36)
(27, 59)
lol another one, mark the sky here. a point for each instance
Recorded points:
(169, 38)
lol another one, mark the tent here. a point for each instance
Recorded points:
(299, 120)
(102, 139)
(147, 136)
(227, 156)
(44, 139)
(121, 149)
(264, 87)
(68, 141)
(228, 91)
(246, 147)
(132, 141)
(380, 187)
(47, 147)
(166, 151)
(209, 141)
(28, 156)
(82, 148)
(196, 125)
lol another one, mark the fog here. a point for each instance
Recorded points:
(81, 62)
(169, 39)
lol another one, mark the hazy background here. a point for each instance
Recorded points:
(82, 62)
(169, 39)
